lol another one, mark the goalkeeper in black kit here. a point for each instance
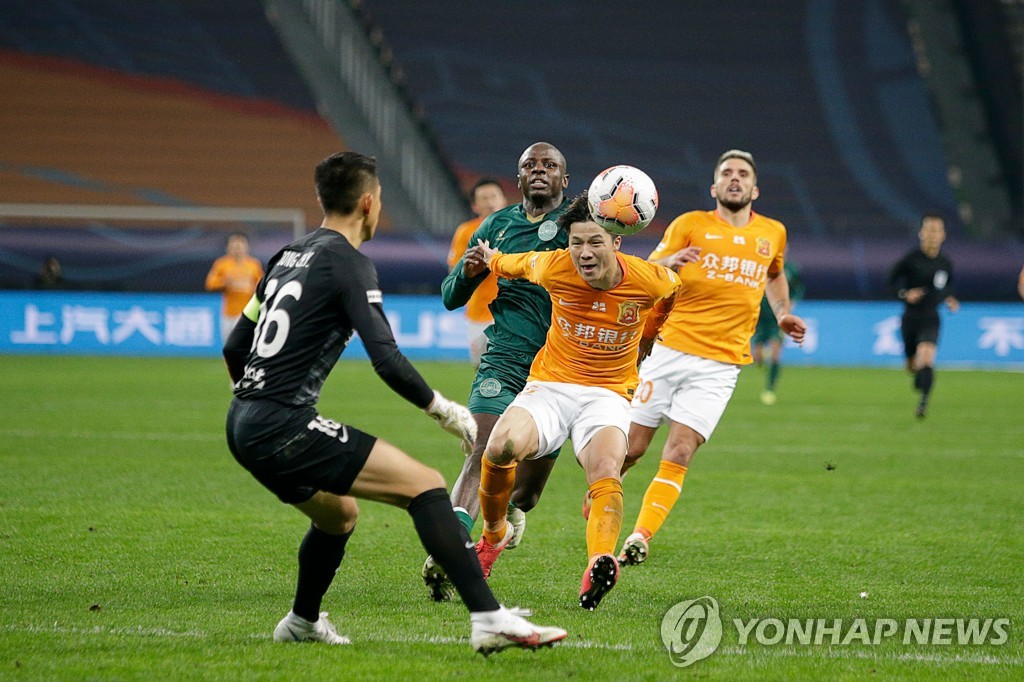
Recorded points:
(923, 279)
(316, 293)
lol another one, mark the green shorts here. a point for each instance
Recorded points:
(499, 379)
(767, 330)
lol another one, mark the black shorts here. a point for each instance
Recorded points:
(294, 452)
(919, 328)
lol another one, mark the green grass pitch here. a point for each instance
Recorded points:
(133, 546)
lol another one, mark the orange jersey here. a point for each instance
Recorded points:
(476, 306)
(236, 279)
(720, 297)
(595, 334)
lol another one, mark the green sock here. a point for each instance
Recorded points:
(465, 519)
(773, 375)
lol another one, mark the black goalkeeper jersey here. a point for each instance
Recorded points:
(935, 275)
(316, 292)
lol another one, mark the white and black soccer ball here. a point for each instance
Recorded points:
(622, 199)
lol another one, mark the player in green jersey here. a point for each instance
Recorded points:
(768, 335)
(522, 314)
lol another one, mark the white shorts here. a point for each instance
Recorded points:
(477, 340)
(563, 411)
(685, 388)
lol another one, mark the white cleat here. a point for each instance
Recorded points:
(517, 519)
(436, 580)
(502, 629)
(634, 550)
(293, 628)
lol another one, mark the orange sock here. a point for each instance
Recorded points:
(660, 497)
(605, 520)
(496, 483)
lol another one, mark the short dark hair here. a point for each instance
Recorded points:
(735, 154)
(483, 182)
(933, 215)
(577, 212)
(342, 178)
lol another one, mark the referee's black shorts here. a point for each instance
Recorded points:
(294, 452)
(919, 328)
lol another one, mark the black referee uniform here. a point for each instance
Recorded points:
(921, 321)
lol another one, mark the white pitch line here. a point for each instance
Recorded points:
(102, 630)
(112, 435)
(369, 636)
(196, 634)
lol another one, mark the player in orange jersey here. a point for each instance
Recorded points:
(692, 370)
(236, 274)
(580, 382)
(485, 198)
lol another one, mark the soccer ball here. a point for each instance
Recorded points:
(622, 200)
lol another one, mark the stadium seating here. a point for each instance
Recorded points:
(169, 102)
(186, 102)
(826, 95)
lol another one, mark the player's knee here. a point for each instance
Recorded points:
(342, 521)
(346, 525)
(433, 479)
(680, 453)
(479, 448)
(502, 449)
(604, 467)
(471, 464)
(634, 452)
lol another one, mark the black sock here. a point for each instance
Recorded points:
(923, 380)
(447, 541)
(320, 554)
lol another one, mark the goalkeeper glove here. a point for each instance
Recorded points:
(455, 419)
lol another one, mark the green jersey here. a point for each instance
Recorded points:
(522, 310)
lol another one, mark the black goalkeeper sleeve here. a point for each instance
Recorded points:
(236, 348)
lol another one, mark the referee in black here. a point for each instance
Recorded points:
(923, 279)
(316, 292)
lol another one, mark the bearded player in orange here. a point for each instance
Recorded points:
(485, 198)
(691, 372)
(580, 381)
